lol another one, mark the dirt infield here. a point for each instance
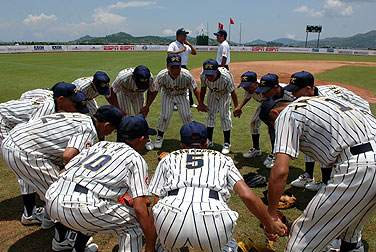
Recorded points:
(284, 69)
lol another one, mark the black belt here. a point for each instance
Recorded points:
(80, 189)
(212, 194)
(355, 150)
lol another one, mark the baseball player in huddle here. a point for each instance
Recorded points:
(223, 53)
(173, 83)
(127, 92)
(269, 86)
(337, 135)
(93, 87)
(83, 197)
(36, 93)
(302, 84)
(191, 197)
(249, 83)
(65, 98)
(220, 83)
(36, 151)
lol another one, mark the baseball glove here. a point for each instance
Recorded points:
(286, 201)
(251, 245)
(255, 180)
(127, 200)
(162, 155)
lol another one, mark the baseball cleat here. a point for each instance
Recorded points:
(210, 144)
(314, 186)
(89, 248)
(269, 159)
(34, 219)
(158, 142)
(149, 145)
(302, 180)
(253, 152)
(226, 148)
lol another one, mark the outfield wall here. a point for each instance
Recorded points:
(140, 48)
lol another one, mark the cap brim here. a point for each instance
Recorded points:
(209, 72)
(291, 88)
(217, 34)
(104, 91)
(245, 84)
(152, 132)
(82, 109)
(174, 64)
(142, 85)
(262, 89)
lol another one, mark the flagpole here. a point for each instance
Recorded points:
(229, 32)
(240, 38)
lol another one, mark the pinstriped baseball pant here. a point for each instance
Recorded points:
(127, 102)
(203, 223)
(339, 209)
(37, 172)
(167, 107)
(221, 104)
(256, 121)
(89, 214)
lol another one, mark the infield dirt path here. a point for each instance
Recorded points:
(284, 69)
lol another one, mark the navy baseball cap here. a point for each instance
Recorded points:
(102, 82)
(181, 31)
(221, 32)
(267, 82)
(142, 76)
(70, 91)
(210, 67)
(173, 60)
(247, 79)
(189, 129)
(300, 80)
(268, 105)
(133, 127)
(109, 113)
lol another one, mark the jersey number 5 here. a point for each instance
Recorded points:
(194, 161)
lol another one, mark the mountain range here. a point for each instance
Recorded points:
(365, 41)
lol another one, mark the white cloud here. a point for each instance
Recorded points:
(122, 5)
(104, 17)
(290, 36)
(337, 8)
(168, 32)
(311, 12)
(38, 19)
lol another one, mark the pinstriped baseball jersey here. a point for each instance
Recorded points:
(322, 127)
(19, 111)
(48, 136)
(109, 170)
(178, 86)
(36, 93)
(328, 129)
(343, 94)
(192, 217)
(224, 85)
(84, 84)
(256, 96)
(128, 94)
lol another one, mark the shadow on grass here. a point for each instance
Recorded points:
(38, 241)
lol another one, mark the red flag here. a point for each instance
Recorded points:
(220, 26)
(231, 21)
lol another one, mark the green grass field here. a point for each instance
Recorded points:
(22, 72)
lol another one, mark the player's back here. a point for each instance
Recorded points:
(84, 85)
(48, 136)
(108, 169)
(202, 168)
(36, 93)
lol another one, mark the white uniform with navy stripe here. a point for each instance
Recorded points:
(325, 128)
(219, 98)
(40, 92)
(343, 94)
(174, 92)
(128, 94)
(107, 170)
(85, 85)
(20, 111)
(193, 217)
(34, 150)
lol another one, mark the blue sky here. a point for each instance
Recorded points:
(37, 20)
